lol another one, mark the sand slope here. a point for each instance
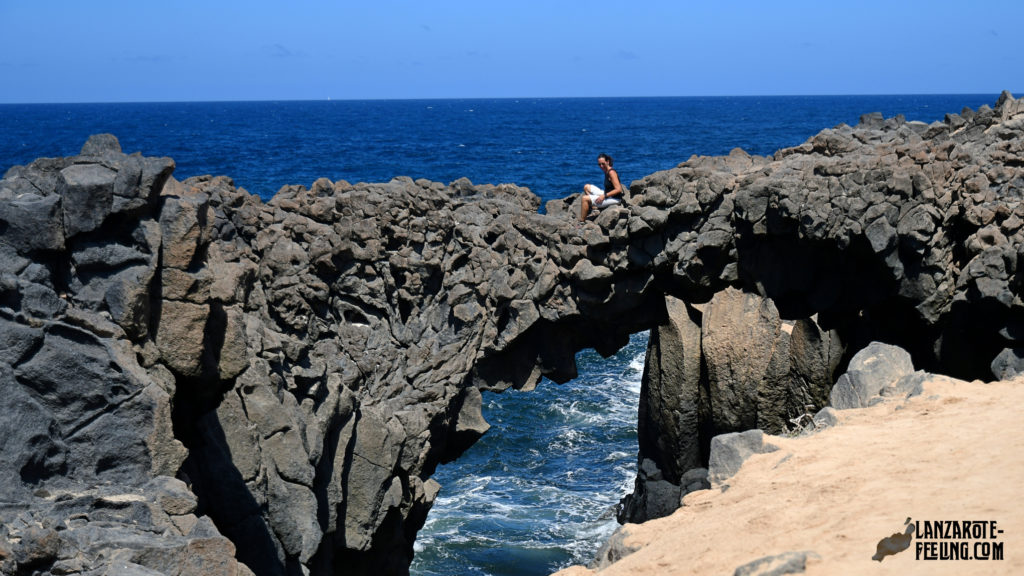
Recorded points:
(954, 453)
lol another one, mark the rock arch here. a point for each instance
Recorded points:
(304, 364)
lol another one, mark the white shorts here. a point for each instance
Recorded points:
(594, 193)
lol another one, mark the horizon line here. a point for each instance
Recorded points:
(422, 99)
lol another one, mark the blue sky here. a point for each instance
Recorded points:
(116, 51)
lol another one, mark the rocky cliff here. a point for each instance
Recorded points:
(893, 231)
(196, 382)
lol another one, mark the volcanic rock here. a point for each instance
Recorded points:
(302, 365)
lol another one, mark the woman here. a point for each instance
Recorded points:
(594, 196)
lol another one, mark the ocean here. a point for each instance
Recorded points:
(537, 492)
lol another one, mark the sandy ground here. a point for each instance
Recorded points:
(954, 453)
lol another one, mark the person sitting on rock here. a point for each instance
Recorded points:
(597, 198)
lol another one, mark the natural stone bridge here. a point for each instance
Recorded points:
(175, 352)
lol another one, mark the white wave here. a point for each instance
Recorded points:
(636, 365)
(627, 478)
(564, 460)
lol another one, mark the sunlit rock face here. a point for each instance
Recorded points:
(274, 383)
(891, 231)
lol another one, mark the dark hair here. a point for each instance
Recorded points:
(606, 158)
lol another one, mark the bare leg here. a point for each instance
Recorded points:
(584, 207)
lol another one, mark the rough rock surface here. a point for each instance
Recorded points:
(822, 240)
(778, 565)
(104, 529)
(729, 451)
(304, 364)
(870, 371)
(728, 366)
(613, 550)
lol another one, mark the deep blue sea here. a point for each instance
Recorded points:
(536, 493)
